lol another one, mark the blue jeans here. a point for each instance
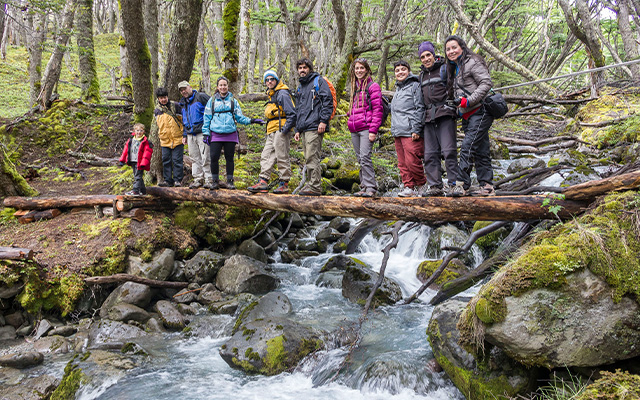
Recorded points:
(475, 149)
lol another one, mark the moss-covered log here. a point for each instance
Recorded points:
(11, 182)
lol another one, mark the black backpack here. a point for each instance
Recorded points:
(386, 104)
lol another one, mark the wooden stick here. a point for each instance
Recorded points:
(119, 278)
(15, 253)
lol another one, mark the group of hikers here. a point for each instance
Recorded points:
(423, 111)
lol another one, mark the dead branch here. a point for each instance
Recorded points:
(119, 278)
(605, 123)
(93, 159)
(542, 150)
(531, 172)
(15, 253)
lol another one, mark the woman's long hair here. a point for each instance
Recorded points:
(451, 68)
(353, 80)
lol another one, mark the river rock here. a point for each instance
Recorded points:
(340, 224)
(581, 174)
(577, 325)
(22, 360)
(329, 234)
(14, 319)
(448, 236)
(270, 346)
(209, 294)
(129, 292)
(37, 388)
(169, 315)
(187, 295)
(52, 344)
(230, 306)
(340, 263)
(105, 332)
(178, 274)
(358, 281)
(289, 256)
(7, 292)
(305, 244)
(265, 239)
(270, 305)
(203, 267)
(454, 269)
(154, 325)
(44, 326)
(498, 375)
(525, 163)
(252, 249)
(159, 268)
(244, 274)
(64, 331)
(294, 218)
(127, 312)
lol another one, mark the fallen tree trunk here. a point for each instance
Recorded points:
(93, 159)
(135, 213)
(119, 278)
(535, 143)
(542, 150)
(516, 208)
(33, 216)
(15, 253)
(592, 189)
(123, 203)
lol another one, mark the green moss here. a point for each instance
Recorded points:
(606, 240)
(58, 290)
(243, 315)
(428, 267)
(20, 184)
(489, 242)
(275, 359)
(613, 386)
(70, 383)
(245, 365)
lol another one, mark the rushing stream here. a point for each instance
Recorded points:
(390, 363)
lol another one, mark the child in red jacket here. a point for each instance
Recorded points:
(137, 153)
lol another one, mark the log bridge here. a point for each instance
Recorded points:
(430, 209)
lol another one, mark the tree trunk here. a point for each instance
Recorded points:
(52, 72)
(205, 70)
(230, 17)
(243, 45)
(139, 61)
(11, 182)
(37, 22)
(251, 63)
(628, 37)
(151, 31)
(3, 13)
(15, 253)
(471, 27)
(125, 73)
(155, 170)
(89, 85)
(123, 203)
(182, 45)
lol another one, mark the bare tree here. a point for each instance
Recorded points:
(243, 44)
(89, 85)
(622, 9)
(151, 33)
(37, 24)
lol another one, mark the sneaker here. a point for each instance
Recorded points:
(283, 188)
(133, 193)
(164, 184)
(486, 190)
(261, 187)
(455, 191)
(433, 191)
(407, 192)
(214, 185)
(177, 184)
(309, 192)
(195, 185)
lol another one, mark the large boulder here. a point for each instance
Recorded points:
(7, 292)
(203, 267)
(454, 269)
(448, 236)
(22, 360)
(340, 263)
(32, 388)
(113, 332)
(290, 256)
(270, 305)
(358, 281)
(270, 346)
(525, 163)
(160, 268)
(252, 249)
(577, 324)
(340, 224)
(127, 312)
(7, 332)
(169, 315)
(130, 293)
(242, 274)
(496, 376)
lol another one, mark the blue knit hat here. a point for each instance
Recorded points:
(269, 73)
(426, 46)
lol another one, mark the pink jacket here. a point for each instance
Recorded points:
(365, 116)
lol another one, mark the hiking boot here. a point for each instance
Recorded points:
(283, 188)
(133, 193)
(229, 184)
(369, 192)
(407, 192)
(361, 193)
(261, 187)
(195, 185)
(455, 191)
(177, 184)
(213, 185)
(164, 184)
(433, 191)
(486, 190)
(309, 192)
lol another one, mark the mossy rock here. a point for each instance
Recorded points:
(454, 269)
(613, 385)
(489, 243)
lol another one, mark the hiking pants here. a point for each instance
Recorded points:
(276, 153)
(201, 160)
(312, 146)
(475, 148)
(410, 154)
(172, 166)
(363, 147)
(440, 141)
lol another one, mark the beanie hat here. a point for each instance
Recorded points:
(426, 46)
(268, 74)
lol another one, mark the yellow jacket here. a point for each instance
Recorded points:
(169, 130)
(280, 110)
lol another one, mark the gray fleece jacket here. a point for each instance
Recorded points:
(407, 108)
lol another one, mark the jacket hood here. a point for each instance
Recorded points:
(308, 78)
(279, 86)
(410, 78)
(436, 65)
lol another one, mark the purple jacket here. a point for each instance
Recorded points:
(365, 116)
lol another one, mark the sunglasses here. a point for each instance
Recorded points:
(270, 79)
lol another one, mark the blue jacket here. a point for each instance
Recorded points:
(218, 115)
(192, 112)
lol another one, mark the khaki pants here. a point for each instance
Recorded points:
(276, 153)
(201, 159)
(312, 146)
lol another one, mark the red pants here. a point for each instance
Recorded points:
(410, 154)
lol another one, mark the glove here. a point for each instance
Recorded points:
(457, 102)
(258, 121)
(121, 164)
(206, 139)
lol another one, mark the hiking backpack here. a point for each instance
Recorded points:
(332, 89)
